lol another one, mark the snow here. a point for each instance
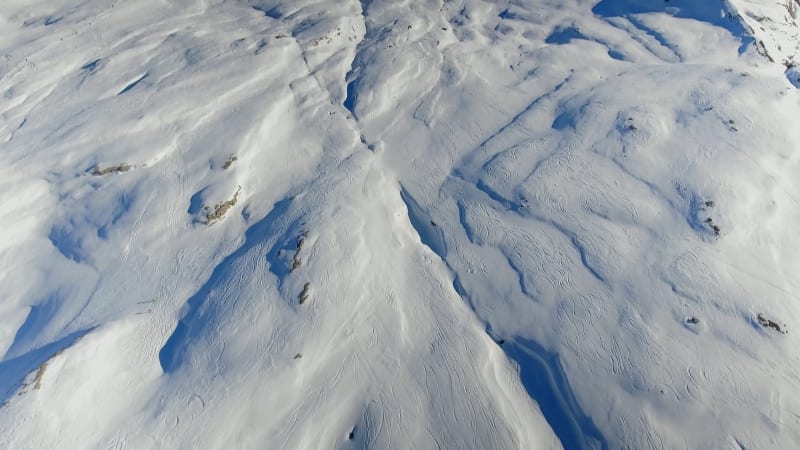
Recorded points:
(381, 224)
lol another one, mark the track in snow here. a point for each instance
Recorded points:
(452, 224)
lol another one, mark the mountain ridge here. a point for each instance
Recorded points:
(468, 224)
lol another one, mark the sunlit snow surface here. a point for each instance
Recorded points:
(399, 224)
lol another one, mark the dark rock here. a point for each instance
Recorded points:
(767, 323)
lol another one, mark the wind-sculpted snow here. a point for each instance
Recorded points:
(399, 224)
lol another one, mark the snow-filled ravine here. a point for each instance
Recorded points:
(399, 224)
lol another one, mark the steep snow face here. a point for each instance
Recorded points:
(382, 224)
(775, 24)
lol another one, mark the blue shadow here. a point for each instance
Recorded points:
(564, 35)
(712, 12)
(14, 370)
(543, 377)
(189, 327)
(429, 233)
(133, 84)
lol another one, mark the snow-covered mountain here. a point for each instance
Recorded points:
(457, 224)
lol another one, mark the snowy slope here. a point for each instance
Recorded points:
(399, 224)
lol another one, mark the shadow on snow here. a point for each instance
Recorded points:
(716, 13)
(544, 379)
(173, 352)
